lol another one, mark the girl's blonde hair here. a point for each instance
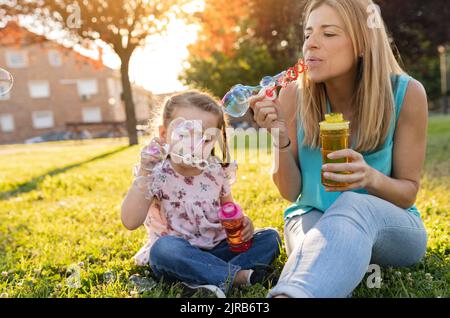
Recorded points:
(202, 101)
(373, 97)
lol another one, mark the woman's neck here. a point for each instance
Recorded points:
(340, 92)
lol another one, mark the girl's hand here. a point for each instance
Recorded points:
(362, 175)
(248, 230)
(151, 154)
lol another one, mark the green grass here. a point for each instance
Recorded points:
(60, 219)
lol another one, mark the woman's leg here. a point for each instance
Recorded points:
(176, 259)
(296, 228)
(334, 255)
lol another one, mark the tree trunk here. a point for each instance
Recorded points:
(127, 97)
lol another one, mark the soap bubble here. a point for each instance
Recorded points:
(141, 284)
(6, 82)
(236, 100)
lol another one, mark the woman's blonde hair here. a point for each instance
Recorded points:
(373, 97)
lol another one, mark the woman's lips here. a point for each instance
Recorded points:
(312, 62)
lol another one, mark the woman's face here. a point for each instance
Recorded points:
(328, 50)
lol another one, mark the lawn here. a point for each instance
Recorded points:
(61, 234)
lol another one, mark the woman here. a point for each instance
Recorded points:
(332, 235)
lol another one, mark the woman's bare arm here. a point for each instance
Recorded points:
(286, 174)
(409, 151)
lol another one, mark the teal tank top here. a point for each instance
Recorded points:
(313, 195)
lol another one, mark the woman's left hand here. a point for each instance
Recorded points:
(248, 230)
(360, 175)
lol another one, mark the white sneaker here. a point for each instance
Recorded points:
(209, 290)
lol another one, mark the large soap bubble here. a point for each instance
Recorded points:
(6, 81)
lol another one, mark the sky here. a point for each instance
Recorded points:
(156, 66)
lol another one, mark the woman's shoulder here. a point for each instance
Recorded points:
(415, 104)
(411, 85)
(415, 88)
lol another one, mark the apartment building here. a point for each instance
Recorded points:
(55, 85)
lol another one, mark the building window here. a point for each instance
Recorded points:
(43, 119)
(54, 58)
(39, 89)
(92, 115)
(113, 91)
(17, 59)
(3, 88)
(6, 122)
(87, 88)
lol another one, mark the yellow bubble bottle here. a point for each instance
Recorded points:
(334, 136)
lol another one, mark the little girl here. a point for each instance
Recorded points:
(178, 203)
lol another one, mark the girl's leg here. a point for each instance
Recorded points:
(334, 255)
(265, 248)
(176, 259)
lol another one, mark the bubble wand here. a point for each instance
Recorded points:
(235, 102)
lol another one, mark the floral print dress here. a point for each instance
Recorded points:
(186, 207)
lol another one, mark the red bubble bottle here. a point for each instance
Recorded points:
(232, 219)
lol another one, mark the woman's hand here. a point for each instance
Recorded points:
(360, 176)
(248, 230)
(268, 114)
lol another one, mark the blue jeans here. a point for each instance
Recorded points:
(176, 259)
(329, 253)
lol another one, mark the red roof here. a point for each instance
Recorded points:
(14, 35)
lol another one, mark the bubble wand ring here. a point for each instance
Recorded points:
(235, 102)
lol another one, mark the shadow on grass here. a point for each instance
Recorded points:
(34, 183)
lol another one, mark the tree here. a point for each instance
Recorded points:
(122, 24)
(220, 72)
(277, 24)
(10, 8)
(220, 27)
(418, 31)
(227, 52)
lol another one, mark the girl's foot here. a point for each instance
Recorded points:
(204, 291)
(255, 276)
(242, 277)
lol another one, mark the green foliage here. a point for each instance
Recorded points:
(219, 72)
(60, 216)
(417, 32)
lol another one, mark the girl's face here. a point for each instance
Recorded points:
(206, 127)
(328, 50)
